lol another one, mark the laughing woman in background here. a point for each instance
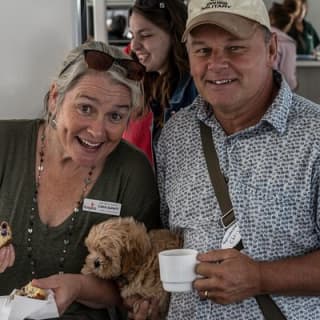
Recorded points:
(157, 27)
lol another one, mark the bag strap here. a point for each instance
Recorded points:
(217, 178)
(268, 307)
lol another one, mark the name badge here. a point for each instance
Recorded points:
(105, 207)
(231, 237)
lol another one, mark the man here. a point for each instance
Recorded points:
(268, 145)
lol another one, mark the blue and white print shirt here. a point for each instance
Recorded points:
(272, 170)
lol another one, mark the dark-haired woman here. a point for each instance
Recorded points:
(156, 28)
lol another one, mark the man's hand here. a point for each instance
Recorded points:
(228, 276)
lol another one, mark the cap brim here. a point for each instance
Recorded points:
(235, 24)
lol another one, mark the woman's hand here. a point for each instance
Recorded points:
(89, 290)
(228, 276)
(7, 257)
(66, 288)
(140, 309)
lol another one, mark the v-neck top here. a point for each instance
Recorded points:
(127, 178)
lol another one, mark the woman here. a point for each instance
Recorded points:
(302, 31)
(157, 27)
(61, 176)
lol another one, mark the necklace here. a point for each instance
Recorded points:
(67, 238)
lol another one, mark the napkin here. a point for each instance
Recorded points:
(21, 307)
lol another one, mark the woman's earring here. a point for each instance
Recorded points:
(53, 122)
(49, 117)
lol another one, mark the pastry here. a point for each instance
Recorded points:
(5, 234)
(31, 291)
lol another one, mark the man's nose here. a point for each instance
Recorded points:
(217, 60)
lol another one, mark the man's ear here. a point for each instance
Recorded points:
(272, 49)
(52, 101)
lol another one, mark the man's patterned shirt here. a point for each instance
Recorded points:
(272, 170)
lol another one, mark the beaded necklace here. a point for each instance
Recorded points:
(66, 241)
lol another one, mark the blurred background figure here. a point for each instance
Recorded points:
(302, 31)
(117, 27)
(281, 22)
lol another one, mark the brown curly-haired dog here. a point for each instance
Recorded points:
(123, 250)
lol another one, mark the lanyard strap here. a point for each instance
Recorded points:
(268, 307)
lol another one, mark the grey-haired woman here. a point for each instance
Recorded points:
(58, 175)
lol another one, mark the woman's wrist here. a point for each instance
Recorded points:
(98, 292)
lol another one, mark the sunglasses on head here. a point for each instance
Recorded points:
(102, 61)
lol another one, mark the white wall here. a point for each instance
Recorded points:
(35, 36)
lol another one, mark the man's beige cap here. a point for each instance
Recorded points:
(239, 17)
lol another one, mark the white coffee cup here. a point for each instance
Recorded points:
(177, 269)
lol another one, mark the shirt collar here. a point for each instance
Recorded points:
(278, 112)
(276, 115)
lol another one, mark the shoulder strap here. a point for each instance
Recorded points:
(268, 307)
(217, 179)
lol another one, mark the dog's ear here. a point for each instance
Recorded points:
(137, 248)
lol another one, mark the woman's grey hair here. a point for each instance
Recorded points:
(75, 67)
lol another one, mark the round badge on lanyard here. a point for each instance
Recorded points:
(231, 237)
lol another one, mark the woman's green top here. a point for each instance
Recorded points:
(127, 178)
(307, 40)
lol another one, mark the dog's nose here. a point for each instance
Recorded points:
(97, 263)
